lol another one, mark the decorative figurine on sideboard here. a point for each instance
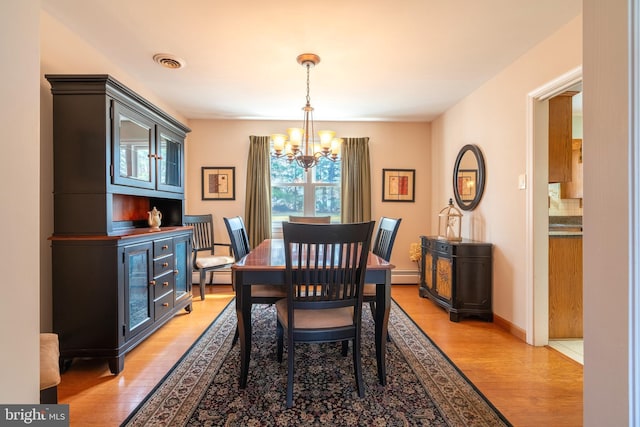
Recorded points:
(449, 223)
(155, 219)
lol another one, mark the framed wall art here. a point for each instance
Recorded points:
(218, 183)
(398, 185)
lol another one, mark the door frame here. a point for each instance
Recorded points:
(536, 205)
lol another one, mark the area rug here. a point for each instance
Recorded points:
(424, 388)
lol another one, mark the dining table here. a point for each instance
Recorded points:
(265, 265)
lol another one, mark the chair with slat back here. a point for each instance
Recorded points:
(324, 276)
(205, 260)
(260, 294)
(310, 219)
(382, 246)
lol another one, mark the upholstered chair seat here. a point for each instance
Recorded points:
(315, 319)
(213, 261)
(49, 368)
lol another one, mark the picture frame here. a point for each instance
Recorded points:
(218, 183)
(467, 183)
(398, 185)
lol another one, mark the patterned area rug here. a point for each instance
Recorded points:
(423, 388)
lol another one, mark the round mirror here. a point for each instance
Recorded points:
(468, 177)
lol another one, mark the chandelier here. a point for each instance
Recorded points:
(298, 144)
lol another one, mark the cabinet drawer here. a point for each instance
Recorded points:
(428, 243)
(432, 244)
(162, 265)
(162, 247)
(443, 247)
(163, 285)
(163, 306)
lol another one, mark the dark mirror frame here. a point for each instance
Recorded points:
(469, 205)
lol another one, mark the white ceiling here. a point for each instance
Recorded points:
(402, 60)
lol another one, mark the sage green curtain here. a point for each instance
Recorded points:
(356, 180)
(257, 207)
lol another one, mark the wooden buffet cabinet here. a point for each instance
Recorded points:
(116, 156)
(457, 276)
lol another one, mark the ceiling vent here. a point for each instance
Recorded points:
(169, 61)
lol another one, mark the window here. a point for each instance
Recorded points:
(296, 192)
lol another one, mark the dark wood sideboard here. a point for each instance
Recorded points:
(116, 157)
(457, 276)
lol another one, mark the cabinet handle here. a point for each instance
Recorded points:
(152, 283)
(165, 247)
(158, 157)
(165, 304)
(151, 156)
(165, 283)
(165, 264)
(176, 271)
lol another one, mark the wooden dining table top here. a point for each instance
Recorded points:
(270, 254)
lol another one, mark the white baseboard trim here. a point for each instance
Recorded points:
(405, 277)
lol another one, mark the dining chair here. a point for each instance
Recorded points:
(260, 294)
(382, 246)
(325, 266)
(310, 219)
(204, 258)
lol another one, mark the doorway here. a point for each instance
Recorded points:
(565, 223)
(537, 206)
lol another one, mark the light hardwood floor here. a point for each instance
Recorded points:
(531, 386)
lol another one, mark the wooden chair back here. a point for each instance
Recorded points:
(325, 268)
(202, 239)
(385, 237)
(310, 219)
(238, 237)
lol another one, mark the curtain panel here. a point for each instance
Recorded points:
(257, 208)
(356, 180)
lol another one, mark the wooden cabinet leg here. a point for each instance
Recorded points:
(116, 364)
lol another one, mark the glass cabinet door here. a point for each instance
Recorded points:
(134, 148)
(182, 257)
(169, 167)
(138, 264)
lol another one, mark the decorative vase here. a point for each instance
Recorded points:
(155, 219)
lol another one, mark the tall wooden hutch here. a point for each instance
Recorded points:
(116, 157)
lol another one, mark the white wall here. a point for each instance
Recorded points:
(607, 237)
(20, 215)
(391, 145)
(494, 117)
